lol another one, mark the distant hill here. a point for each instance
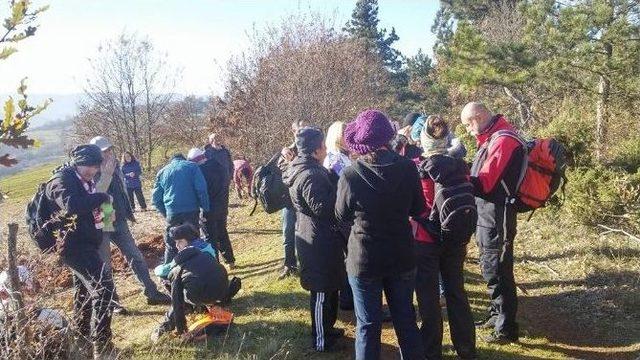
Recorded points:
(53, 143)
(62, 107)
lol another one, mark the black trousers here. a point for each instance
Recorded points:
(140, 195)
(495, 235)
(215, 232)
(324, 313)
(93, 292)
(433, 260)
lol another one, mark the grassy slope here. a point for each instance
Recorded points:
(579, 295)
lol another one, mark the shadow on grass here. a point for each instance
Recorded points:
(277, 301)
(250, 271)
(600, 321)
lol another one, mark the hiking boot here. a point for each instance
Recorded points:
(487, 323)
(287, 271)
(234, 286)
(499, 339)
(104, 351)
(159, 299)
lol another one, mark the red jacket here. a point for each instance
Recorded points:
(487, 174)
(428, 190)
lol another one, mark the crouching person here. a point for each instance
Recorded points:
(320, 250)
(196, 278)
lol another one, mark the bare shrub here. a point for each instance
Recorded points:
(302, 69)
(128, 92)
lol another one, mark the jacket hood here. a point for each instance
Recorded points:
(385, 175)
(186, 255)
(498, 122)
(444, 169)
(297, 166)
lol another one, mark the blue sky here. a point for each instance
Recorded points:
(197, 35)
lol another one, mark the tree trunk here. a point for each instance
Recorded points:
(602, 107)
(526, 115)
(602, 112)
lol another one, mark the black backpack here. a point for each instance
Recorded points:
(457, 211)
(269, 189)
(454, 201)
(39, 217)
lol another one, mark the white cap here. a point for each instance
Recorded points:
(102, 142)
(195, 154)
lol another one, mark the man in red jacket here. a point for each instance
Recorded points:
(495, 173)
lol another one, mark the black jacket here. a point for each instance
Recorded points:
(197, 278)
(217, 188)
(70, 199)
(378, 199)
(220, 209)
(319, 245)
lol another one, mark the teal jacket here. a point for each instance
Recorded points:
(164, 269)
(180, 187)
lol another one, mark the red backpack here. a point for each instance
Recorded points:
(542, 173)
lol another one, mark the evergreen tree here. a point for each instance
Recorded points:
(364, 25)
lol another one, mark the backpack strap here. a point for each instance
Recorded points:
(525, 162)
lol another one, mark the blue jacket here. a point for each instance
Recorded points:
(180, 188)
(132, 166)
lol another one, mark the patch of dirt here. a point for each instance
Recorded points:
(57, 278)
(152, 248)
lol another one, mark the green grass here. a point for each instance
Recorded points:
(579, 295)
(21, 186)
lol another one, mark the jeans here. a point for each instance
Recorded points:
(446, 262)
(289, 236)
(216, 234)
(138, 193)
(93, 291)
(367, 298)
(123, 239)
(170, 249)
(495, 235)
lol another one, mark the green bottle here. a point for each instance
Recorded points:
(107, 211)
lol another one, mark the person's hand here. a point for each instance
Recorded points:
(287, 154)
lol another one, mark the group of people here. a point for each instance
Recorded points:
(92, 199)
(364, 219)
(361, 221)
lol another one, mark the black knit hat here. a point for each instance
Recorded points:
(308, 140)
(86, 155)
(186, 231)
(410, 119)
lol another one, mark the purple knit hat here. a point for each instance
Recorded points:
(370, 131)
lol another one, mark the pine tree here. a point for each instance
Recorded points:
(364, 25)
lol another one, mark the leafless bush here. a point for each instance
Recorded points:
(302, 69)
(128, 92)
